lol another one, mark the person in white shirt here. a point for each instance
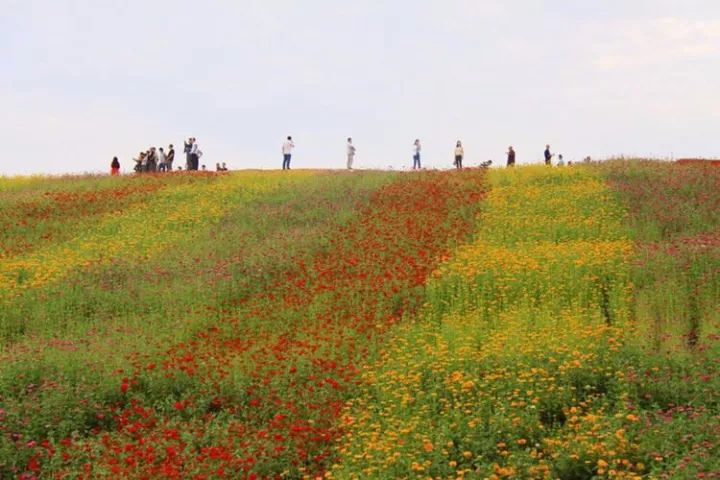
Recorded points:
(195, 153)
(161, 160)
(416, 154)
(459, 154)
(287, 149)
(350, 153)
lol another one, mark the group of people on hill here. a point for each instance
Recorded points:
(158, 160)
(155, 160)
(459, 153)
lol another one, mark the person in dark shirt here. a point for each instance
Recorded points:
(189, 164)
(170, 157)
(510, 157)
(152, 160)
(548, 155)
(115, 166)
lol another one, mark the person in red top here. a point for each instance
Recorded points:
(115, 166)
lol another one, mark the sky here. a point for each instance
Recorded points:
(83, 81)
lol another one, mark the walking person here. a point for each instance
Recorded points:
(350, 153)
(287, 148)
(115, 166)
(169, 158)
(459, 154)
(548, 156)
(510, 157)
(416, 154)
(162, 166)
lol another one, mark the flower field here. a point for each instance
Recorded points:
(531, 357)
(527, 323)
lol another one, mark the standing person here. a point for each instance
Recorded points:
(459, 154)
(548, 155)
(162, 166)
(169, 158)
(224, 167)
(195, 154)
(510, 157)
(561, 162)
(416, 154)
(114, 166)
(144, 161)
(350, 153)
(188, 154)
(152, 160)
(287, 149)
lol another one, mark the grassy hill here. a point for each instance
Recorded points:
(526, 323)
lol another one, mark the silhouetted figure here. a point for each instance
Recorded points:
(115, 166)
(151, 160)
(548, 155)
(191, 158)
(169, 158)
(510, 157)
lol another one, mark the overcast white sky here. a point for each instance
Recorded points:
(82, 81)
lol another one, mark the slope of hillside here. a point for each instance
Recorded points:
(526, 323)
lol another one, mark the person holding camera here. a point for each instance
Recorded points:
(416, 154)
